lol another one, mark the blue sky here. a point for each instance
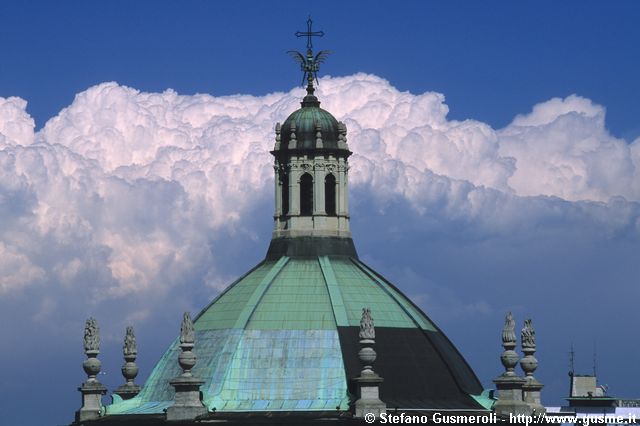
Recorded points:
(496, 158)
(514, 54)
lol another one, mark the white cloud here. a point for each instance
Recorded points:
(126, 192)
(562, 148)
(17, 269)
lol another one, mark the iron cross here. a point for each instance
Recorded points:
(309, 33)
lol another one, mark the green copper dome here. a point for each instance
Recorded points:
(284, 337)
(306, 119)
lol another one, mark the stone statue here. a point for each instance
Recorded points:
(528, 336)
(367, 330)
(129, 347)
(509, 330)
(91, 336)
(187, 333)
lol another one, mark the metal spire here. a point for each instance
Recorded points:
(309, 65)
(309, 33)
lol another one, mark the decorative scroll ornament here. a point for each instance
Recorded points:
(91, 336)
(187, 333)
(367, 330)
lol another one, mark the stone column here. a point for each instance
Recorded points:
(340, 188)
(319, 173)
(187, 403)
(509, 385)
(278, 190)
(91, 390)
(368, 381)
(294, 189)
(532, 387)
(129, 369)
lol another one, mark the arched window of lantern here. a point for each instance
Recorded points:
(306, 195)
(330, 195)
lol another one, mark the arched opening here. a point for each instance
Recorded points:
(306, 195)
(330, 195)
(284, 179)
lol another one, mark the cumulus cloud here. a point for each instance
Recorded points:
(133, 206)
(563, 148)
(126, 192)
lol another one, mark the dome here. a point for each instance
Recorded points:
(306, 119)
(284, 337)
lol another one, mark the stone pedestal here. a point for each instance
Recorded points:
(369, 396)
(510, 396)
(188, 402)
(531, 395)
(92, 392)
(127, 391)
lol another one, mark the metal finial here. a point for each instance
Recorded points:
(309, 65)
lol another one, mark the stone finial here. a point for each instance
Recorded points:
(91, 390)
(187, 401)
(292, 140)
(367, 337)
(509, 331)
(278, 136)
(509, 357)
(528, 335)
(529, 363)
(129, 348)
(92, 364)
(508, 384)
(129, 369)
(342, 135)
(368, 382)
(91, 336)
(532, 387)
(187, 333)
(318, 135)
(367, 330)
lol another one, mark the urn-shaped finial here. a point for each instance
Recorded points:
(367, 337)
(509, 357)
(92, 364)
(187, 358)
(528, 363)
(130, 352)
(129, 368)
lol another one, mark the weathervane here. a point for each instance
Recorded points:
(309, 64)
